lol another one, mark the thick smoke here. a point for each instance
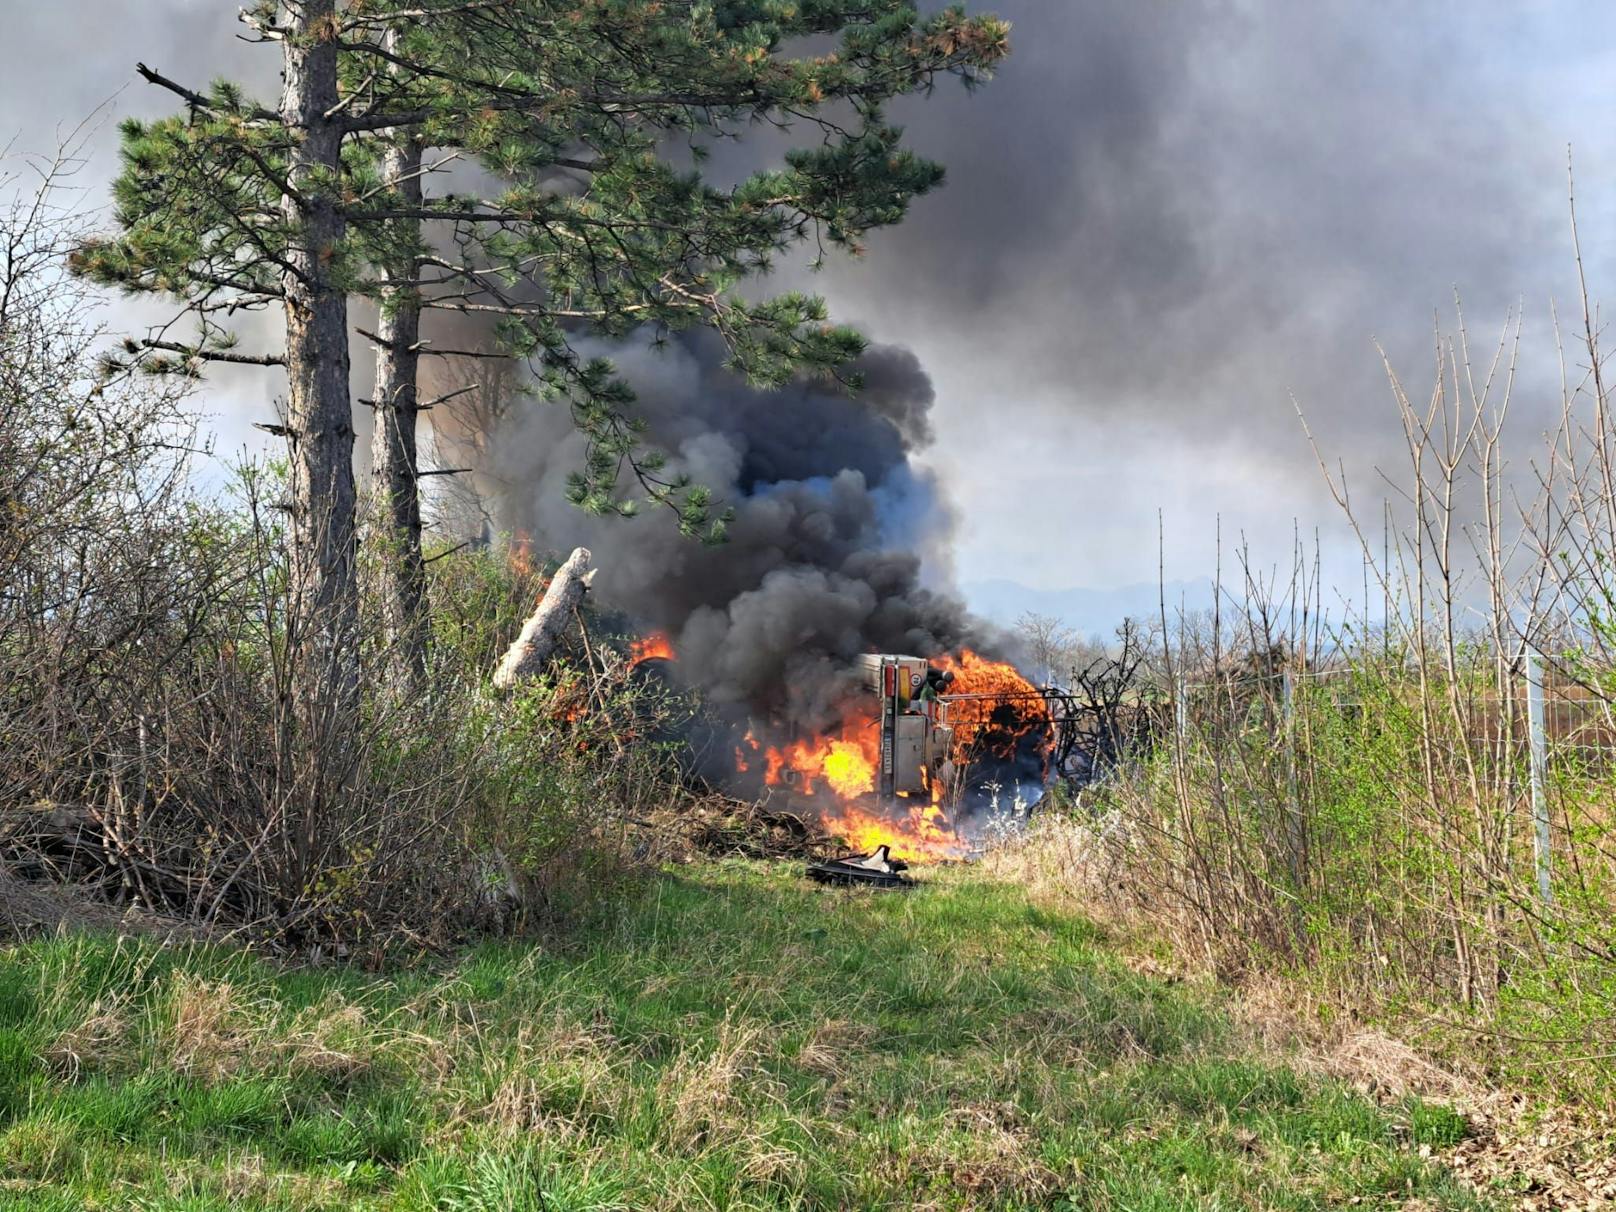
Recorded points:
(832, 523)
(1160, 222)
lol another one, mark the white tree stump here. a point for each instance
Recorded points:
(544, 626)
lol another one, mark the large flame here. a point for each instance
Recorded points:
(992, 708)
(654, 647)
(845, 763)
(920, 831)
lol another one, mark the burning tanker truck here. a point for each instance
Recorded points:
(929, 757)
(822, 561)
(929, 754)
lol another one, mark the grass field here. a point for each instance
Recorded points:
(734, 1038)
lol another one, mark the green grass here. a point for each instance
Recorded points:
(735, 1038)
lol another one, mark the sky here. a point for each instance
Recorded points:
(1166, 225)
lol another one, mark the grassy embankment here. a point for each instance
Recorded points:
(734, 1039)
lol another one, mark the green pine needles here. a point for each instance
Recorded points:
(576, 110)
(589, 212)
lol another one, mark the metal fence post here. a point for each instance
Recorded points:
(1181, 714)
(1293, 808)
(1539, 748)
(1178, 832)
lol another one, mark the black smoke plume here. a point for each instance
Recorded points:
(826, 555)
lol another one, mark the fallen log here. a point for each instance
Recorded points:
(544, 626)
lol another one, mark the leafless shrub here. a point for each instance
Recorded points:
(154, 748)
(1349, 791)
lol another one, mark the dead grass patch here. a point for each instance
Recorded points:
(699, 1089)
(208, 1035)
(1384, 1068)
(246, 1177)
(1063, 862)
(94, 1045)
(1280, 1017)
(555, 1077)
(834, 1046)
(989, 1153)
(335, 1043)
(520, 1107)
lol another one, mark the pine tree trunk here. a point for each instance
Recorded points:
(324, 612)
(401, 572)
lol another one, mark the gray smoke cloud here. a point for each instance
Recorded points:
(824, 557)
(1161, 221)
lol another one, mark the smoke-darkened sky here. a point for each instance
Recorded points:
(1161, 221)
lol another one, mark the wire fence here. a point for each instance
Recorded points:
(1526, 719)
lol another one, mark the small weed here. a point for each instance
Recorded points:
(1435, 1125)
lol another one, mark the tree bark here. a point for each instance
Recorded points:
(325, 596)
(395, 482)
(543, 628)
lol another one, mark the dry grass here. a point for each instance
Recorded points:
(993, 1155)
(214, 1030)
(700, 1090)
(1061, 861)
(94, 1044)
(336, 1042)
(208, 1032)
(32, 909)
(1286, 1018)
(555, 1077)
(520, 1106)
(835, 1046)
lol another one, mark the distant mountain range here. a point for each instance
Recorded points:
(1089, 612)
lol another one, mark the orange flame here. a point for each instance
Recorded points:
(742, 762)
(519, 555)
(654, 647)
(996, 683)
(845, 763)
(844, 766)
(920, 833)
(837, 770)
(570, 702)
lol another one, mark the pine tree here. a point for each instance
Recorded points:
(395, 468)
(594, 116)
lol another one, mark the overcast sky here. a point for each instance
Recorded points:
(1161, 221)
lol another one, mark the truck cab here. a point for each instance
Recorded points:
(917, 742)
